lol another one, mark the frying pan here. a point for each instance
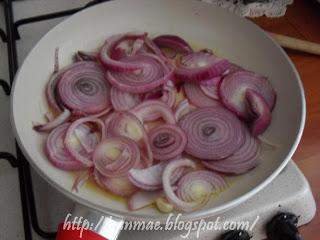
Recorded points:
(204, 26)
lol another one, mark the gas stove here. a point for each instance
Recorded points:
(32, 209)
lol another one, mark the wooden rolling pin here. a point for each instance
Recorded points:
(296, 44)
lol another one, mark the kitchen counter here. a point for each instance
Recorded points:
(302, 21)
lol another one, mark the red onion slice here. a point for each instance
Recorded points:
(241, 161)
(168, 189)
(112, 52)
(128, 125)
(210, 89)
(83, 88)
(81, 180)
(167, 141)
(234, 68)
(49, 116)
(150, 179)
(56, 152)
(261, 110)
(123, 101)
(72, 143)
(87, 137)
(47, 127)
(167, 93)
(114, 157)
(233, 90)
(213, 133)
(51, 93)
(143, 199)
(199, 184)
(200, 66)
(120, 186)
(151, 47)
(151, 75)
(85, 56)
(212, 82)
(182, 109)
(197, 97)
(173, 42)
(151, 110)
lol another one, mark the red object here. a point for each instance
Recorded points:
(77, 233)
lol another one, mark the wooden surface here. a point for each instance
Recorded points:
(302, 20)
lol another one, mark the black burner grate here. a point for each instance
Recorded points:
(10, 37)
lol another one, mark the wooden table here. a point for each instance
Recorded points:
(302, 20)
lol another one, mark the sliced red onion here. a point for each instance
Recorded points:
(261, 110)
(213, 133)
(150, 179)
(210, 89)
(151, 75)
(72, 143)
(137, 46)
(81, 180)
(197, 97)
(87, 137)
(114, 157)
(151, 110)
(173, 42)
(200, 66)
(128, 125)
(47, 127)
(56, 152)
(112, 52)
(49, 116)
(245, 158)
(182, 109)
(79, 114)
(168, 189)
(51, 92)
(167, 93)
(120, 186)
(143, 199)
(151, 47)
(207, 50)
(212, 82)
(123, 101)
(234, 68)
(199, 184)
(85, 56)
(83, 88)
(101, 114)
(167, 141)
(233, 90)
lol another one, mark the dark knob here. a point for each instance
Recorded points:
(236, 235)
(283, 226)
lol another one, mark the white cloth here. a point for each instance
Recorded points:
(272, 8)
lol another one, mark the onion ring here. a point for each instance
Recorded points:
(167, 141)
(213, 133)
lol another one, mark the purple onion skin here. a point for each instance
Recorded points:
(261, 110)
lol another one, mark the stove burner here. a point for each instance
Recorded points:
(236, 235)
(283, 226)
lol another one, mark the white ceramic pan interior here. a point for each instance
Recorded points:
(201, 24)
